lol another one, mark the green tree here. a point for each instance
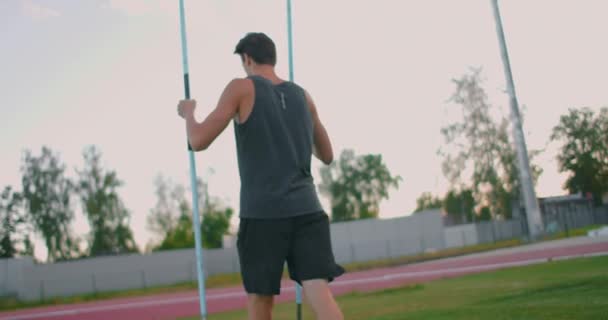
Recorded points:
(428, 201)
(170, 205)
(216, 221)
(478, 150)
(46, 193)
(181, 236)
(460, 204)
(484, 214)
(174, 210)
(215, 224)
(584, 151)
(215, 217)
(108, 217)
(171, 218)
(13, 220)
(356, 185)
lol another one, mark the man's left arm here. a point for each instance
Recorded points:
(201, 135)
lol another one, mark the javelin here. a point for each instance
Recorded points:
(193, 182)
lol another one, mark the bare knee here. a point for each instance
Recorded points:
(261, 300)
(321, 300)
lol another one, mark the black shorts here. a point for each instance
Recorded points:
(303, 241)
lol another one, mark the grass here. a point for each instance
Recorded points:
(234, 279)
(573, 289)
(572, 233)
(452, 252)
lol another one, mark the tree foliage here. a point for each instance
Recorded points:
(46, 193)
(171, 218)
(170, 205)
(478, 150)
(216, 221)
(584, 151)
(356, 185)
(427, 201)
(14, 238)
(460, 204)
(108, 217)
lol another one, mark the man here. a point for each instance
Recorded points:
(277, 129)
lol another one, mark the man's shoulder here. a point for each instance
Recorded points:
(298, 86)
(240, 82)
(240, 85)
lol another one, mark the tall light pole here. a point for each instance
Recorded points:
(535, 223)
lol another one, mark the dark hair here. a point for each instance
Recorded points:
(259, 47)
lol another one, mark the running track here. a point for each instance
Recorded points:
(172, 306)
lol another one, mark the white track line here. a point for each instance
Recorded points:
(337, 283)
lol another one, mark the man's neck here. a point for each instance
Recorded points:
(266, 71)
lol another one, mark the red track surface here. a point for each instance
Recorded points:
(172, 306)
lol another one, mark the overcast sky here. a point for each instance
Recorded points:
(108, 72)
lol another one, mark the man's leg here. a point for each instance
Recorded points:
(321, 300)
(311, 262)
(262, 246)
(259, 307)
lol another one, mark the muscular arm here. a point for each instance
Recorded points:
(322, 145)
(201, 135)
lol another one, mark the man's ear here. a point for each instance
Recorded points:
(248, 60)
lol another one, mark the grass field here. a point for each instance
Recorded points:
(574, 289)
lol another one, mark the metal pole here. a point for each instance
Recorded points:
(290, 57)
(289, 40)
(535, 225)
(193, 183)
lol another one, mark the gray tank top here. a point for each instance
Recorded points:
(274, 149)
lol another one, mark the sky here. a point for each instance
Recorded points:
(109, 73)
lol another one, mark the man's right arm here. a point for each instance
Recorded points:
(322, 145)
